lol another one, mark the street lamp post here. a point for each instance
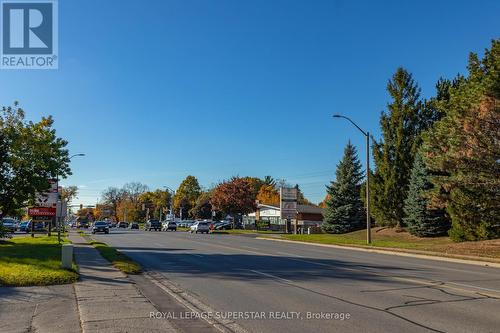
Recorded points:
(172, 193)
(367, 135)
(59, 213)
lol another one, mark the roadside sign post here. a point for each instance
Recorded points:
(288, 206)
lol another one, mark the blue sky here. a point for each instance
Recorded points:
(152, 91)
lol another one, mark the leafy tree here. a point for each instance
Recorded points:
(156, 201)
(344, 209)
(128, 210)
(103, 211)
(203, 208)
(68, 193)
(233, 196)
(30, 155)
(422, 220)
(394, 154)
(186, 195)
(268, 195)
(134, 190)
(113, 196)
(462, 151)
(256, 184)
(322, 204)
(268, 180)
(301, 199)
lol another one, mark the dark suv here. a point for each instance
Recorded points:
(152, 225)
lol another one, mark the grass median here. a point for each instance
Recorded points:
(245, 231)
(391, 239)
(116, 258)
(27, 261)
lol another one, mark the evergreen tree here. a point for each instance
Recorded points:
(344, 209)
(420, 219)
(463, 149)
(394, 154)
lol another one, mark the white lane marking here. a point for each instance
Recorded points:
(271, 276)
(196, 255)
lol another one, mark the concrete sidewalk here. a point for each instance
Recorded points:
(39, 309)
(107, 300)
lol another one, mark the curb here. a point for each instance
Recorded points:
(379, 250)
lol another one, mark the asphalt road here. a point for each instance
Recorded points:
(380, 293)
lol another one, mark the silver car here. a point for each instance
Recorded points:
(197, 227)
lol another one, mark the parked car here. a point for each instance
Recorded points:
(170, 225)
(38, 226)
(199, 227)
(9, 224)
(152, 225)
(23, 226)
(223, 225)
(134, 225)
(100, 226)
(185, 223)
(122, 225)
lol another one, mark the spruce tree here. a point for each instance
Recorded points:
(344, 209)
(394, 153)
(421, 220)
(462, 151)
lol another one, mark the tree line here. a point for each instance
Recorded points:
(437, 163)
(237, 195)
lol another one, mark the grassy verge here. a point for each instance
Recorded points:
(118, 259)
(243, 231)
(389, 238)
(27, 261)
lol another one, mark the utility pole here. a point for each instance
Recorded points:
(368, 219)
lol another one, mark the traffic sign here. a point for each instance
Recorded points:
(49, 197)
(288, 202)
(42, 211)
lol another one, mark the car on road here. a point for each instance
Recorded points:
(169, 226)
(38, 226)
(152, 225)
(223, 225)
(134, 225)
(197, 227)
(185, 223)
(9, 224)
(100, 226)
(122, 225)
(24, 226)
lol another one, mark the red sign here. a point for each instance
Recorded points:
(42, 211)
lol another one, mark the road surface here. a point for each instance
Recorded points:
(305, 288)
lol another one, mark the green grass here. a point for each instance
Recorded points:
(244, 231)
(394, 240)
(118, 259)
(27, 261)
(389, 238)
